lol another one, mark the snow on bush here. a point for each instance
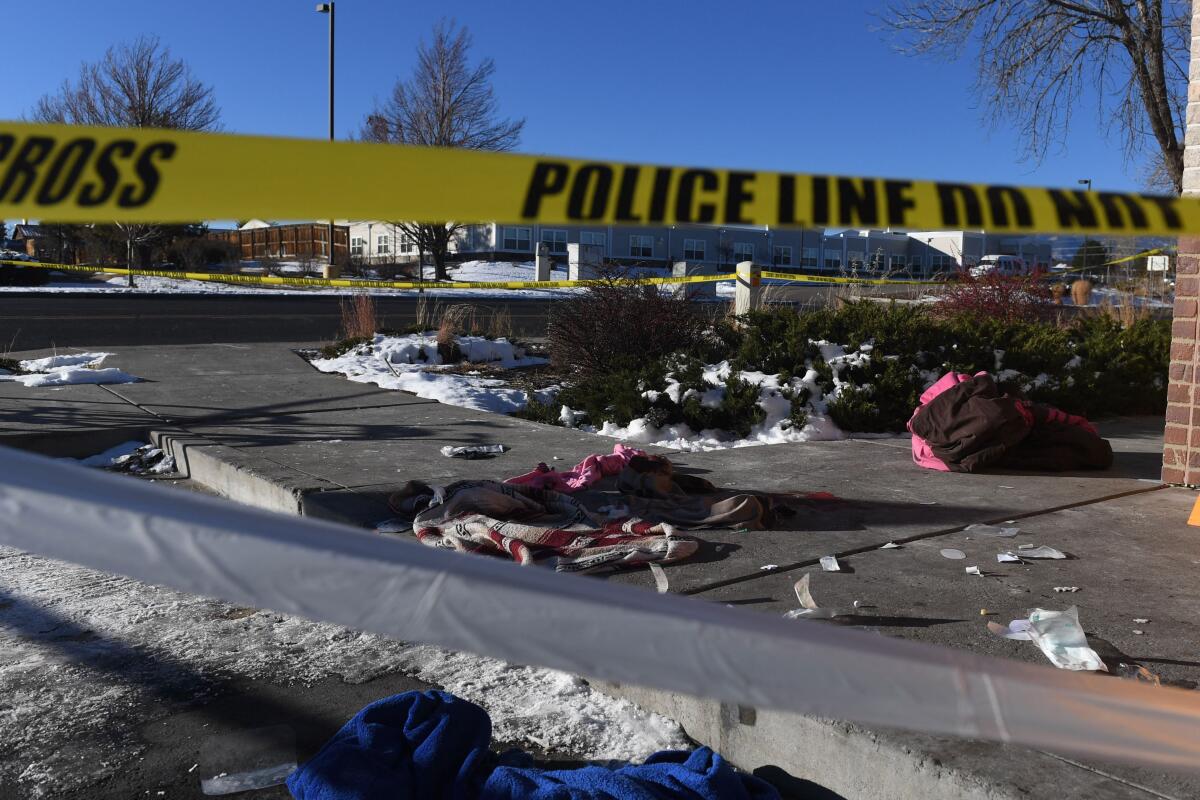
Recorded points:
(415, 363)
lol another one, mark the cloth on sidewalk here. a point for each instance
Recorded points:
(531, 525)
(586, 473)
(965, 424)
(434, 746)
(653, 490)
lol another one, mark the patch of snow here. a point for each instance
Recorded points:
(88, 659)
(71, 376)
(66, 370)
(410, 363)
(58, 362)
(110, 456)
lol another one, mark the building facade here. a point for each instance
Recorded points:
(915, 253)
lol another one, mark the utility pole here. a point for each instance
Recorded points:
(327, 8)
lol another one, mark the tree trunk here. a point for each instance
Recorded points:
(129, 258)
(439, 263)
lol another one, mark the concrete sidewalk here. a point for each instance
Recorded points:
(257, 424)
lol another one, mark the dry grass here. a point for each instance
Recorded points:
(1126, 312)
(359, 318)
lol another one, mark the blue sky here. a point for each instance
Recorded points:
(805, 85)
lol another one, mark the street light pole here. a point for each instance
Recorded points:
(327, 8)
(1088, 183)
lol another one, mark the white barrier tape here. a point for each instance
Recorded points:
(532, 616)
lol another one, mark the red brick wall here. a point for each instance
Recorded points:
(1181, 448)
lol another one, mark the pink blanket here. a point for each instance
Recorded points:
(585, 473)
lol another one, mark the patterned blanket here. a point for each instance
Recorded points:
(531, 525)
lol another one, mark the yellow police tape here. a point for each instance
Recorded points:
(84, 174)
(805, 278)
(272, 280)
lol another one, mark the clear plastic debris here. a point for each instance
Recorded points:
(246, 760)
(890, 546)
(474, 451)
(951, 553)
(1008, 558)
(1029, 551)
(1059, 636)
(830, 564)
(992, 531)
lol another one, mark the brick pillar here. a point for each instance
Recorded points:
(1181, 448)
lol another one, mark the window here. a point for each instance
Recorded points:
(641, 246)
(942, 262)
(693, 249)
(854, 259)
(356, 245)
(519, 239)
(743, 251)
(383, 245)
(593, 238)
(781, 256)
(833, 259)
(810, 257)
(899, 262)
(555, 240)
(407, 245)
(914, 262)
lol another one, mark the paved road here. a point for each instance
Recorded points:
(38, 320)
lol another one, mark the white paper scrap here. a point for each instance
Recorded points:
(660, 578)
(890, 546)
(974, 571)
(1140, 620)
(808, 607)
(950, 552)
(1006, 558)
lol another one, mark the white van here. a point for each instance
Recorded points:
(1007, 266)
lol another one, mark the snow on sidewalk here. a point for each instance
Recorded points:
(68, 370)
(87, 659)
(412, 363)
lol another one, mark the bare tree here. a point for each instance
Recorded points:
(135, 85)
(446, 103)
(1037, 57)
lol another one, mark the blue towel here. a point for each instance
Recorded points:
(434, 746)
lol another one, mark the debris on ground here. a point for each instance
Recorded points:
(1059, 636)
(660, 578)
(1140, 620)
(1029, 551)
(1008, 558)
(474, 451)
(830, 564)
(890, 546)
(808, 606)
(769, 567)
(992, 531)
(951, 553)
(974, 571)
(1071, 589)
(135, 458)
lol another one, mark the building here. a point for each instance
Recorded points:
(299, 241)
(916, 253)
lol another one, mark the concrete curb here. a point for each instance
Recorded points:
(233, 473)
